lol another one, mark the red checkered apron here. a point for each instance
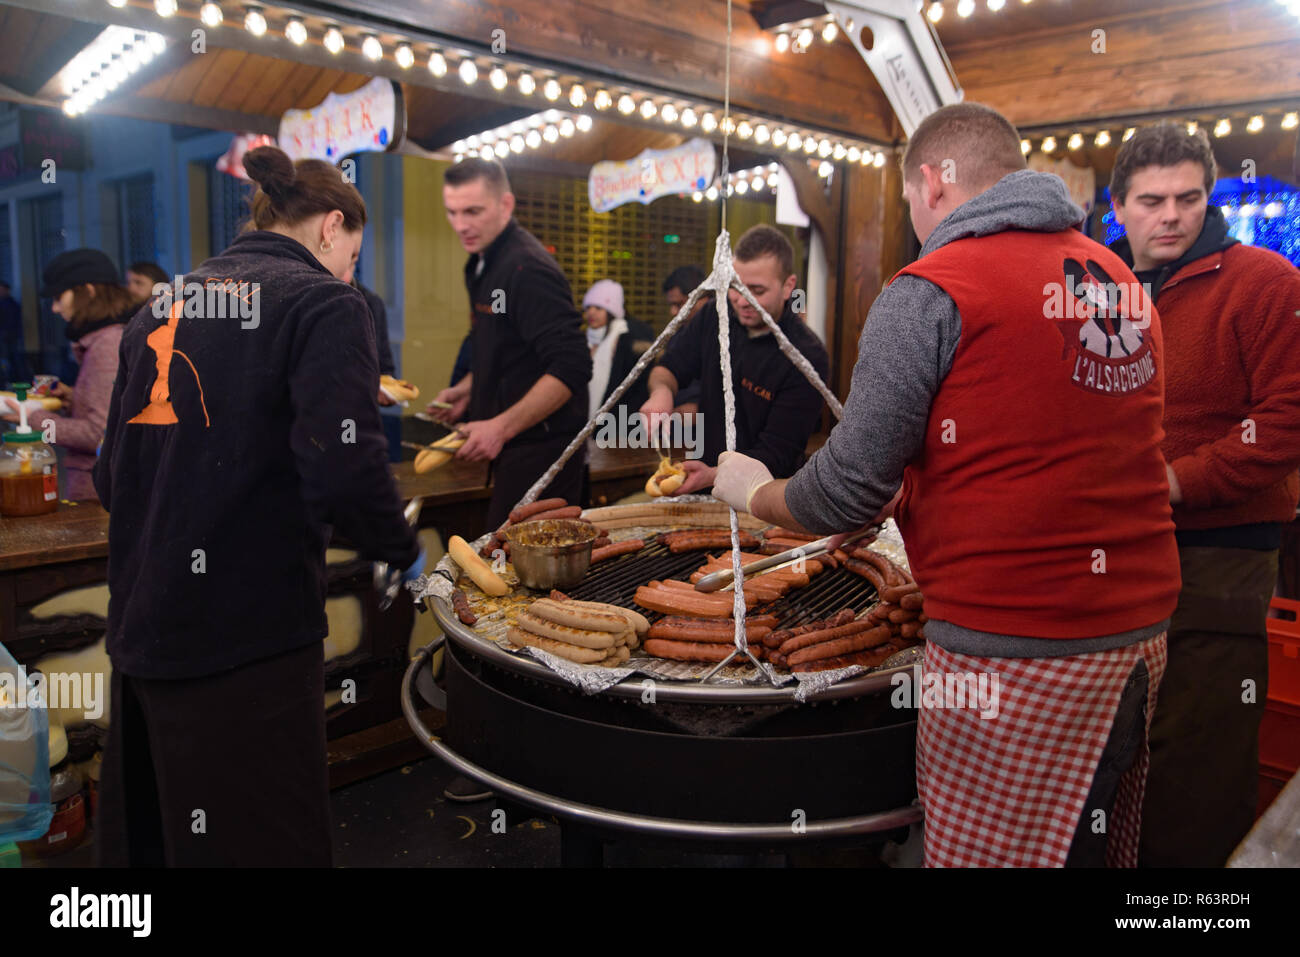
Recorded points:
(1008, 791)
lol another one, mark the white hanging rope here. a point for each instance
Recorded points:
(720, 280)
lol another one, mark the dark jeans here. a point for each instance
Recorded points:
(1204, 779)
(516, 469)
(238, 757)
(1123, 747)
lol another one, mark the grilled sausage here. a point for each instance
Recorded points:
(617, 548)
(461, 605)
(830, 634)
(859, 641)
(526, 512)
(687, 650)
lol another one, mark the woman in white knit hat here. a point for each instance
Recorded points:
(614, 347)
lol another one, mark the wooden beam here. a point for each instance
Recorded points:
(1195, 56)
(875, 240)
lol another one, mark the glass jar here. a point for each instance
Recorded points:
(29, 475)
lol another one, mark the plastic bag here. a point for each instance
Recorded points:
(25, 808)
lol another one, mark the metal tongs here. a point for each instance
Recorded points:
(717, 581)
(389, 583)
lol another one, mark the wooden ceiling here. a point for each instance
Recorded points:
(1032, 61)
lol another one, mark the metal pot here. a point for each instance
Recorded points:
(554, 553)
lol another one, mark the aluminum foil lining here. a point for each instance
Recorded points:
(495, 615)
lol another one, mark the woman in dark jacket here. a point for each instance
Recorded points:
(243, 426)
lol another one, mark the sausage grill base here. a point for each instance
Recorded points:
(733, 752)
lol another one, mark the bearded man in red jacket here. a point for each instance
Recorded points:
(1231, 320)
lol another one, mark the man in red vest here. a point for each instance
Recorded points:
(1011, 379)
(1232, 421)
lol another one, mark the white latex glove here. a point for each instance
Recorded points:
(738, 478)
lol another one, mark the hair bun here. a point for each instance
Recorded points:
(271, 169)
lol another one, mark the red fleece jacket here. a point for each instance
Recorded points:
(1231, 324)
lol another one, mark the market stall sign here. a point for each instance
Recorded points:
(1081, 181)
(651, 174)
(370, 119)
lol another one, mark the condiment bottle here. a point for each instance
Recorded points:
(29, 472)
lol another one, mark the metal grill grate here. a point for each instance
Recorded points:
(616, 582)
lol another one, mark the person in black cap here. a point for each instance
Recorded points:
(87, 293)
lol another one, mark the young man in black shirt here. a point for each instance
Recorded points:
(777, 408)
(526, 394)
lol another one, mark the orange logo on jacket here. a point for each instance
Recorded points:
(162, 340)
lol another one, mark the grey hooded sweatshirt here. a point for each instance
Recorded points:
(904, 353)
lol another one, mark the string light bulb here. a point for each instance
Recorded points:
(1128, 133)
(762, 134)
(830, 31)
(551, 89)
(935, 11)
(1075, 141)
(878, 160)
(965, 8)
(527, 85)
(805, 38)
(567, 127)
(498, 78)
(295, 31)
(708, 122)
(782, 41)
(583, 122)
(626, 105)
(164, 8)
(1102, 138)
(333, 40)
(793, 142)
(550, 133)
(210, 14)
(371, 48)
(689, 118)
(468, 71)
(577, 95)
(1025, 147)
(744, 130)
(779, 137)
(996, 5)
(1290, 121)
(437, 64)
(854, 154)
(255, 22)
(1223, 127)
(602, 100)
(1049, 144)
(648, 109)
(1255, 124)
(669, 113)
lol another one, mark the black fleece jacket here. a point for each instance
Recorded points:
(524, 326)
(223, 479)
(777, 408)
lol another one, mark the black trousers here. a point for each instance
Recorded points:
(1204, 779)
(516, 469)
(1123, 747)
(227, 770)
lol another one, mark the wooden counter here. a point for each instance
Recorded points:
(80, 531)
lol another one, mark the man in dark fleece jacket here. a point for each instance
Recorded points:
(526, 394)
(777, 408)
(1231, 315)
(1033, 502)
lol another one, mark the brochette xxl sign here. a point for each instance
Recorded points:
(651, 174)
